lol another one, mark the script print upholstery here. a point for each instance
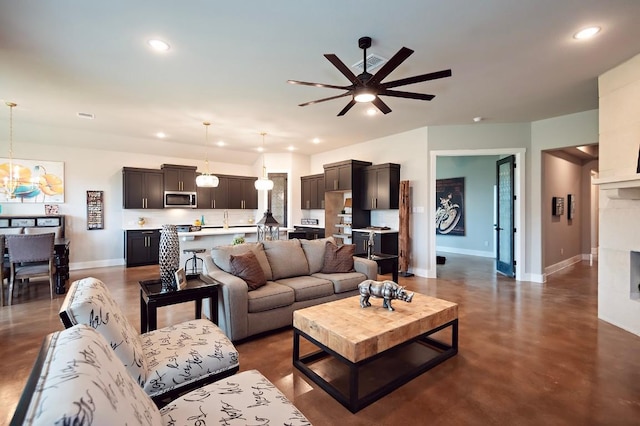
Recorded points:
(161, 360)
(247, 398)
(82, 382)
(181, 354)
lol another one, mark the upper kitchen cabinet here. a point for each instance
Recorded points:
(142, 188)
(312, 192)
(215, 198)
(179, 178)
(343, 176)
(381, 187)
(242, 193)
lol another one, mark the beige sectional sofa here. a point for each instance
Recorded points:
(296, 275)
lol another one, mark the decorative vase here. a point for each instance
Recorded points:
(169, 256)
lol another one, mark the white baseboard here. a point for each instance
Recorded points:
(467, 252)
(563, 264)
(75, 266)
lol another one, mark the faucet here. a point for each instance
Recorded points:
(225, 219)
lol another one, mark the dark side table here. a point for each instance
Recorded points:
(152, 296)
(381, 259)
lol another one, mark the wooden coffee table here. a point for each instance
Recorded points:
(377, 350)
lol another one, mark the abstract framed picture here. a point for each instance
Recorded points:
(450, 206)
(31, 181)
(571, 206)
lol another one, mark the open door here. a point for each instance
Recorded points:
(505, 262)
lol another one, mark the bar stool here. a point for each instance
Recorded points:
(194, 260)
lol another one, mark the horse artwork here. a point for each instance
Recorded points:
(387, 290)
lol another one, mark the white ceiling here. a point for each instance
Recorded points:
(512, 61)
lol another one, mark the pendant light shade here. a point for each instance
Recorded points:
(263, 183)
(207, 180)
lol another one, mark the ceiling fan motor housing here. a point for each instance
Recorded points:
(364, 42)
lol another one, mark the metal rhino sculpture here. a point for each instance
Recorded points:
(387, 290)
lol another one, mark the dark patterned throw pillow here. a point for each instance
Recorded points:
(247, 267)
(338, 258)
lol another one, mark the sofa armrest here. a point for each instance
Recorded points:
(233, 303)
(366, 266)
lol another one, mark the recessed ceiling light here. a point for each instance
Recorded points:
(158, 45)
(291, 148)
(478, 119)
(586, 33)
(221, 143)
(161, 135)
(316, 140)
(372, 111)
(260, 149)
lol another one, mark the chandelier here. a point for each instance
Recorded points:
(263, 183)
(11, 182)
(206, 179)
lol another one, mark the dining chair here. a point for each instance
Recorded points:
(4, 270)
(30, 256)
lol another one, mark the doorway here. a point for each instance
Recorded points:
(519, 250)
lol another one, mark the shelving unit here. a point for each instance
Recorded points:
(344, 226)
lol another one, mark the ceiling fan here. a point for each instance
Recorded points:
(367, 87)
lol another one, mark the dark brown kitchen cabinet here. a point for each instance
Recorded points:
(242, 193)
(344, 175)
(381, 185)
(179, 178)
(383, 242)
(142, 188)
(215, 198)
(312, 192)
(142, 247)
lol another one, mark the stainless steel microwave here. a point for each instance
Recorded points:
(180, 199)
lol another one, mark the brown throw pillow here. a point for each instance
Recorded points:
(338, 259)
(247, 267)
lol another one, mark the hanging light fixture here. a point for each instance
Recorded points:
(206, 179)
(263, 183)
(11, 181)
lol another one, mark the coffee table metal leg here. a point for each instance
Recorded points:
(394, 270)
(152, 314)
(198, 308)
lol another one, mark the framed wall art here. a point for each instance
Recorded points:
(557, 206)
(450, 206)
(571, 206)
(31, 181)
(95, 210)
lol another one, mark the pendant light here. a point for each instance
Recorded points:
(263, 183)
(11, 182)
(207, 180)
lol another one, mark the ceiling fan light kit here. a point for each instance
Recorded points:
(367, 87)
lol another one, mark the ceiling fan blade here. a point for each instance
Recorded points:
(342, 68)
(347, 108)
(409, 95)
(329, 86)
(384, 108)
(388, 67)
(417, 79)
(325, 99)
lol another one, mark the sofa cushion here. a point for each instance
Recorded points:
(221, 256)
(184, 353)
(82, 381)
(245, 398)
(343, 282)
(307, 287)
(314, 252)
(286, 258)
(246, 266)
(270, 296)
(338, 258)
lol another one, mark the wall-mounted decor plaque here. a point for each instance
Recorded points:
(95, 210)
